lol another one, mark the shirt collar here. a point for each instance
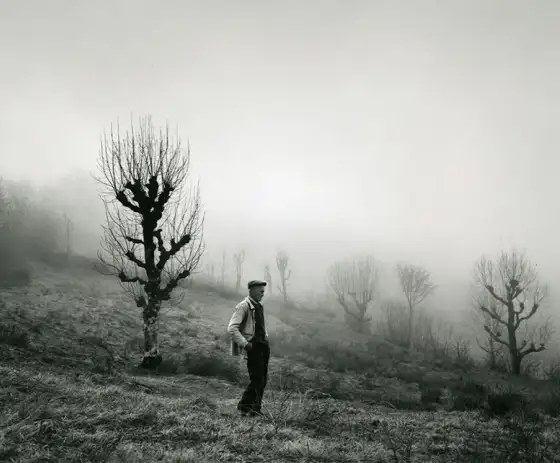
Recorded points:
(252, 302)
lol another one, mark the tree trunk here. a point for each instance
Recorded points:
(492, 354)
(152, 357)
(238, 284)
(357, 324)
(410, 328)
(516, 363)
(514, 354)
(68, 242)
(284, 292)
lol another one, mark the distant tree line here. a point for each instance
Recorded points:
(507, 300)
(30, 230)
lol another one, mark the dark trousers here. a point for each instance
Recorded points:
(257, 365)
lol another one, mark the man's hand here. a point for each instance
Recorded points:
(248, 346)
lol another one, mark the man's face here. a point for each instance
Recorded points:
(257, 293)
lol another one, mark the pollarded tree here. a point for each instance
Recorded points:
(416, 285)
(153, 234)
(285, 274)
(512, 283)
(355, 282)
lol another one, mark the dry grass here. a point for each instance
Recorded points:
(55, 415)
(69, 391)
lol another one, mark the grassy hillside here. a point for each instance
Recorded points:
(70, 389)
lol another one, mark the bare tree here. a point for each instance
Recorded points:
(223, 269)
(268, 277)
(512, 283)
(356, 280)
(416, 285)
(285, 274)
(153, 234)
(238, 259)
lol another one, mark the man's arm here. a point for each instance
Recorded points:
(235, 323)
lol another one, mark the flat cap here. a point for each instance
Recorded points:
(254, 283)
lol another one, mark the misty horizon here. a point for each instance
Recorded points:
(421, 134)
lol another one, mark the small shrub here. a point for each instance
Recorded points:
(307, 410)
(551, 403)
(104, 363)
(504, 402)
(316, 353)
(134, 345)
(551, 370)
(409, 403)
(331, 386)
(528, 442)
(397, 401)
(319, 416)
(14, 278)
(168, 366)
(399, 440)
(531, 367)
(211, 365)
(13, 335)
(462, 358)
(410, 373)
(468, 396)
(430, 394)
(286, 379)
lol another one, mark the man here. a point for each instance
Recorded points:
(248, 333)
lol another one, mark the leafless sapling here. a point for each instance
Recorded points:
(211, 272)
(153, 233)
(223, 269)
(355, 281)
(268, 278)
(512, 283)
(416, 285)
(285, 274)
(238, 259)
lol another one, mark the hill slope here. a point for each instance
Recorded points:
(70, 390)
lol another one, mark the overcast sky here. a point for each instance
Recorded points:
(420, 130)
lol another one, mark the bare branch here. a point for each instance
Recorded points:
(492, 313)
(532, 349)
(495, 336)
